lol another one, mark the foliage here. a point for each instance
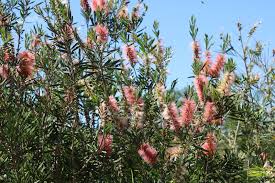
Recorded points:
(94, 106)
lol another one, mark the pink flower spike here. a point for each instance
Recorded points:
(85, 5)
(130, 53)
(210, 145)
(140, 103)
(174, 116)
(207, 63)
(148, 153)
(100, 5)
(4, 71)
(102, 33)
(113, 104)
(135, 12)
(187, 111)
(130, 94)
(26, 65)
(196, 50)
(200, 82)
(123, 13)
(217, 66)
(105, 143)
(209, 111)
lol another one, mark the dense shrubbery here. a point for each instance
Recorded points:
(95, 106)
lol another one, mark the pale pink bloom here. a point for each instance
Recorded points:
(148, 153)
(4, 71)
(69, 31)
(113, 104)
(104, 143)
(102, 33)
(226, 83)
(174, 116)
(207, 63)
(200, 82)
(36, 42)
(160, 46)
(263, 156)
(8, 56)
(26, 65)
(173, 152)
(210, 145)
(123, 13)
(139, 118)
(103, 114)
(99, 5)
(209, 111)
(140, 103)
(196, 50)
(135, 12)
(165, 113)
(130, 53)
(89, 43)
(160, 92)
(130, 94)
(84, 5)
(187, 111)
(207, 54)
(217, 66)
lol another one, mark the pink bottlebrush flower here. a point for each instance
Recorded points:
(173, 152)
(140, 103)
(165, 113)
(198, 129)
(207, 63)
(187, 111)
(102, 33)
(130, 94)
(89, 43)
(36, 42)
(26, 65)
(4, 71)
(210, 145)
(84, 5)
(263, 156)
(217, 66)
(200, 82)
(139, 115)
(135, 13)
(105, 143)
(103, 114)
(160, 46)
(160, 92)
(123, 13)
(99, 5)
(226, 83)
(8, 56)
(113, 104)
(130, 53)
(69, 31)
(196, 50)
(174, 116)
(209, 111)
(148, 153)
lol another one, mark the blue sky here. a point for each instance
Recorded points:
(213, 17)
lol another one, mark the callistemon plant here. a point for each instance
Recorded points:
(94, 105)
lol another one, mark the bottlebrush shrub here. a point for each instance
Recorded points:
(94, 106)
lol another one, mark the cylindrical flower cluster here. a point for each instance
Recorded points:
(148, 153)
